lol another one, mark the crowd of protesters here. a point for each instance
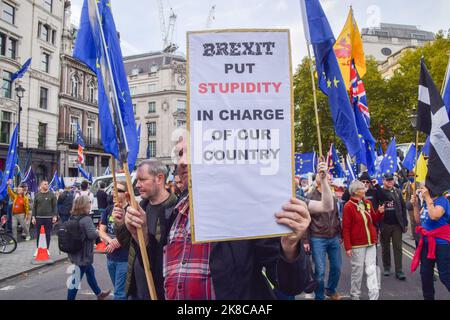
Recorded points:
(327, 219)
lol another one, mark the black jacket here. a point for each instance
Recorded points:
(236, 267)
(65, 201)
(399, 203)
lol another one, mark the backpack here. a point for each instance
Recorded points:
(70, 236)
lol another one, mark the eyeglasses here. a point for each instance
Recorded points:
(121, 191)
(365, 181)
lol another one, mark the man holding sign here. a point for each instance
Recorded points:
(233, 269)
(222, 235)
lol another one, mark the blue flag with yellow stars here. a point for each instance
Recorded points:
(389, 162)
(409, 162)
(320, 36)
(11, 161)
(98, 46)
(305, 163)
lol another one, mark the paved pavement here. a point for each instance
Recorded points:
(49, 283)
(19, 261)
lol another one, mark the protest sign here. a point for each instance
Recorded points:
(240, 119)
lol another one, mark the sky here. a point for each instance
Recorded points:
(138, 21)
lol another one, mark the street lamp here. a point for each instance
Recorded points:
(20, 91)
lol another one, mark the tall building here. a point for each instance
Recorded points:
(157, 84)
(78, 107)
(31, 29)
(381, 42)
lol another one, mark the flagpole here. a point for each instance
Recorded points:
(115, 193)
(311, 68)
(123, 152)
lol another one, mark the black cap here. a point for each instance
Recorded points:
(388, 176)
(365, 176)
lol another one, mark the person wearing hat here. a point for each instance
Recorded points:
(393, 225)
(408, 191)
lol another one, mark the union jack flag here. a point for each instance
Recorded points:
(81, 145)
(358, 93)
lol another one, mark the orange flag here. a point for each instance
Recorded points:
(349, 46)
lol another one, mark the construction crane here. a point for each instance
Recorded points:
(211, 16)
(167, 32)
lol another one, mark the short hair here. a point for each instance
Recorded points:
(123, 184)
(81, 206)
(354, 186)
(102, 185)
(40, 183)
(84, 185)
(155, 167)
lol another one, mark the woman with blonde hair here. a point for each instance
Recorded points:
(84, 259)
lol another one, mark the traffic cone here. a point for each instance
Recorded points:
(42, 256)
(101, 246)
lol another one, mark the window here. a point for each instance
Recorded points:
(74, 85)
(134, 108)
(5, 127)
(45, 62)
(91, 96)
(73, 128)
(90, 131)
(12, 48)
(9, 13)
(53, 36)
(151, 129)
(152, 107)
(133, 91)
(151, 152)
(152, 87)
(44, 32)
(42, 134)
(48, 5)
(43, 100)
(181, 123)
(181, 105)
(2, 44)
(7, 85)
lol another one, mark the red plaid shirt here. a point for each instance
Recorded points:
(187, 275)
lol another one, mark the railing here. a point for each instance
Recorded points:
(72, 140)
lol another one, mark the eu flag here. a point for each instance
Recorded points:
(426, 148)
(319, 34)
(11, 161)
(85, 174)
(31, 181)
(389, 162)
(21, 71)
(98, 46)
(62, 185)
(54, 184)
(305, 163)
(351, 175)
(410, 159)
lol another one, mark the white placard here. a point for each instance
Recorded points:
(240, 119)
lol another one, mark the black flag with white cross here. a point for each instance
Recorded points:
(432, 119)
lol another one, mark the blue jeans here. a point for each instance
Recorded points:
(320, 247)
(90, 276)
(118, 273)
(427, 269)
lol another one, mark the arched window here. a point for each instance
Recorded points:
(75, 83)
(91, 97)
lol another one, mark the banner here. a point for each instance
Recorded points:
(240, 119)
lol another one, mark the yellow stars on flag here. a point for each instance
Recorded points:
(330, 83)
